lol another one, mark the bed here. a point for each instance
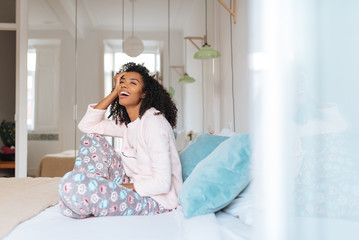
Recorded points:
(56, 165)
(29, 208)
(51, 225)
(34, 219)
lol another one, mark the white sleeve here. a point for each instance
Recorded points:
(93, 122)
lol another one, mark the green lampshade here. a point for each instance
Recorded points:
(206, 52)
(186, 79)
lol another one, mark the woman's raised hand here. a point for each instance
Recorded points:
(104, 103)
(117, 79)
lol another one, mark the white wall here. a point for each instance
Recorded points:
(176, 55)
(239, 51)
(192, 92)
(218, 91)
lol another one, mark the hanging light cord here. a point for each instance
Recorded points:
(75, 110)
(133, 15)
(185, 56)
(205, 40)
(203, 111)
(233, 102)
(123, 23)
(205, 43)
(169, 40)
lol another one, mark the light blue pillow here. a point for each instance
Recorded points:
(196, 151)
(218, 178)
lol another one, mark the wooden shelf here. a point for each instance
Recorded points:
(7, 164)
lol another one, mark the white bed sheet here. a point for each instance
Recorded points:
(51, 224)
(232, 228)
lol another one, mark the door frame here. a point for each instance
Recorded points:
(21, 89)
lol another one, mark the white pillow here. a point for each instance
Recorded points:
(226, 132)
(181, 140)
(242, 207)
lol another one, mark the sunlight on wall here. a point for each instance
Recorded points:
(31, 68)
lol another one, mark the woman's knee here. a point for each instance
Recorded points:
(93, 144)
(93, 139)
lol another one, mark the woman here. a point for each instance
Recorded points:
(145, 178)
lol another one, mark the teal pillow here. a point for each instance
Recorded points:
(218, 178)
(196, 151)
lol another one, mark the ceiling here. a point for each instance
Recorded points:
(149, 15)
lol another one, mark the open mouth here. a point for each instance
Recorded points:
(123, 93)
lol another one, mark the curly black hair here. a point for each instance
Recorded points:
(156, 96)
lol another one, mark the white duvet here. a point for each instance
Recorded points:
(51, 224)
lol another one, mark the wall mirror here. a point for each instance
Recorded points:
(51, 79)
(75, 47)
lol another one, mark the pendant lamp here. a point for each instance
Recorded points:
(186, 78)
(133, 46)
(206, 51)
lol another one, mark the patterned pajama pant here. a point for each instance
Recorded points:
(84, 192)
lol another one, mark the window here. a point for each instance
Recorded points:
(31, 69)
(43, 59)
(113, 60)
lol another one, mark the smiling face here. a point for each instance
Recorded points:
(131, 93)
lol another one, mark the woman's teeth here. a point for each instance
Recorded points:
(125, 93)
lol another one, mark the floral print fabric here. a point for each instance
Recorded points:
(93, 186)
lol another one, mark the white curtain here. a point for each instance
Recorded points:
(304, 59)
